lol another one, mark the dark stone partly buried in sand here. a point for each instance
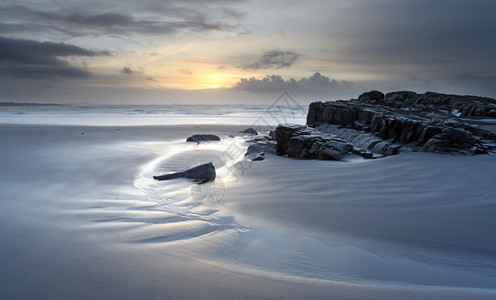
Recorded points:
(200, 174)
(249, 131)
(203, 138)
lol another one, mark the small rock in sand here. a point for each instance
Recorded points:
(202, 138)
(249, 131)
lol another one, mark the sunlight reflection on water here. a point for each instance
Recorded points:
(181, 196)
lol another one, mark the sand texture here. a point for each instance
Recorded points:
(81, 217)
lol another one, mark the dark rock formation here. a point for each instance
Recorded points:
(364, 143)
(377, 125)
(259, 146)
(272, 134)
(285, 132)
(202, 138)
(298, 141)
(200, 174)
(255, 153)
(430, 122)
(249, 131)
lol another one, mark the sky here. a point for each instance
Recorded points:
(235, 51)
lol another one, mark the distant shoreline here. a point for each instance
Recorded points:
(28, 104)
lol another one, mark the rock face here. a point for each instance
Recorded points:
(200, 174)
(298, 141)
(254, 153)
(382, 124)
(202, 138)
(259, 146)
(377, 125)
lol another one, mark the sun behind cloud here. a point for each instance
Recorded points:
(217, 80)
(202, 79)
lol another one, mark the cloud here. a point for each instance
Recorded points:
(185, 71)
(100, 20)
(30, 51)
(476, 83)
(234, 13)
(274, 59)
(393, 32)
(32, 59)
(477, 77)
(275, 83)
(127, 71)
(45, 71)
(170, 20)
(15, 28)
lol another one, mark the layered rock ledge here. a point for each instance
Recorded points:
(379, 125)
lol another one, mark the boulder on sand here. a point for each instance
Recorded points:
(200, 174)
(203, 138)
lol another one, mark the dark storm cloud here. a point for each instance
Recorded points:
(99, 20)
(44, 71)
(396, 32)
(274, 59)
(171, 20)
(23, 13)
(34, 52)
(275, 83)
(33, 59)
(112, 22)
(13, 28)
(213, 1)
(480, 82)
(482, 78)
(237, 14)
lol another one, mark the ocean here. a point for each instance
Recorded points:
(136, 115)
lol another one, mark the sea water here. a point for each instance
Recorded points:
(133, 115)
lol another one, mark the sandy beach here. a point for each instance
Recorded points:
(81, 218)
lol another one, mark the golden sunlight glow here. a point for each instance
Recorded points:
(168, 67)
(217, 80)
(199, 79)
